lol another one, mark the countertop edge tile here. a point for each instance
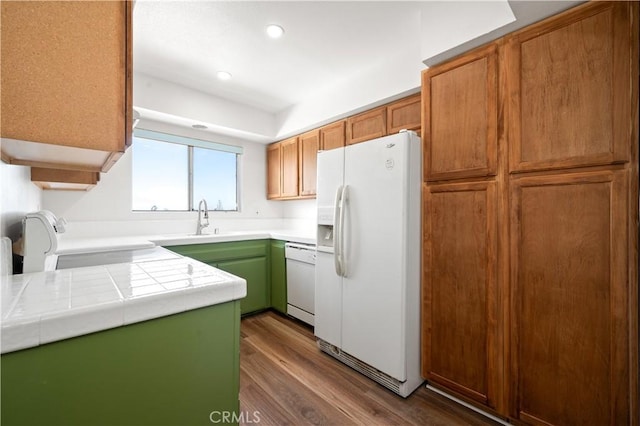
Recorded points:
(80, 321)
(26, 335)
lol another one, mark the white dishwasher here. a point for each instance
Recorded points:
(301, 261)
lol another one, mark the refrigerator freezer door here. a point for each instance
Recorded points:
(373, 293)
(330, 176)
(328, 300)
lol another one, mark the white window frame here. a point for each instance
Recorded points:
(191, 143)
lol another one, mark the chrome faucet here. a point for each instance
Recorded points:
(201, 225)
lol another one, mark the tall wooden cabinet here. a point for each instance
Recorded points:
(462, 334)
(530, 255)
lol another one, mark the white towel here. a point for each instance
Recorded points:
(6, 259)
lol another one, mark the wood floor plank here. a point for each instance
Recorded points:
(286, 379)
(290, 394)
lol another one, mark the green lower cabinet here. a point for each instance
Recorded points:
(181, 369)
(255, 271)
(250, 260)
(278, 277)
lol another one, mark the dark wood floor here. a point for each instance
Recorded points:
(285, 379)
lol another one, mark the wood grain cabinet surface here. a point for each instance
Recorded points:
(460, 294)
(570, 299)
(308, 144)
(70, 180)
(282, 169)
(290, 168)
(274, 171)
(530, 221)
(404, 114)
(66, 83)
(569, 84)
(460, 117)
(368, 125)
(333, 135)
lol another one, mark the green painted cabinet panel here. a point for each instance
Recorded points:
(278, 277)
(217, 252)
(246, 259)
(256, 271)
(175, 370)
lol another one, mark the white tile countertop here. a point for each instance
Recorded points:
(82, 245)
(44, 307)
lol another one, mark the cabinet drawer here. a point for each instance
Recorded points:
(218, 252)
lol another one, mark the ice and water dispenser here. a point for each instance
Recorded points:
(325, 228)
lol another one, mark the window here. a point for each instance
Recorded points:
(174, 173)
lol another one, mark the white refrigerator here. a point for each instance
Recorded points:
(367, 293)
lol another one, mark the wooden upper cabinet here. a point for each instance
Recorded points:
(70, 180)
(274, 171)
(569, 89)
(404, 114)
(333, 135)
(571, 299)
(66, 83)
(289, 153)
(460, 346)
(460, 117)
(368, 125)
(308, 149)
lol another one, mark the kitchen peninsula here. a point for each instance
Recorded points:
(153, 342)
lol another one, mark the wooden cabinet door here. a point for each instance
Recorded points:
(570, 348)
(308, 147)
(569, 89)
(460, 310)
(404, 114)
(66, 79)
(274, 174)
(289, 152)
(333, 135)
(460, 117)
(366, 126)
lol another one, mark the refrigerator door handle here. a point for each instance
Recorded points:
(336, 232)
(343, 204)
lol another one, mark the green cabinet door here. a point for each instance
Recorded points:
(246, 259)
(278, 277)
(182, 369)
(255, 270)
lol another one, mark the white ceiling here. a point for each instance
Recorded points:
(187, 42)
(335, 59)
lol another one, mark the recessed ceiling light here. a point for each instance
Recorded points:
(275, 31)
(199, 126)
(224, 75)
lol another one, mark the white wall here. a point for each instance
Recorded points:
(447, 24)
(110, 201)
(19, 196)
(391, 79)
(170, 98)
(478, 22)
